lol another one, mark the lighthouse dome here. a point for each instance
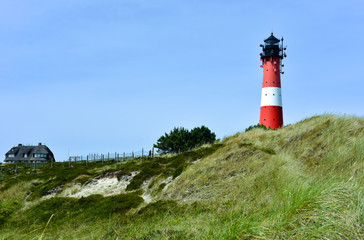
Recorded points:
(271, 47)
(272, 40)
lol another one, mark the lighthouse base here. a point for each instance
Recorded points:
(271, 116)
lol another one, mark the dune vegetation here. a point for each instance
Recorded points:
(303, 181)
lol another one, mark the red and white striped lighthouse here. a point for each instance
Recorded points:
(271, 112)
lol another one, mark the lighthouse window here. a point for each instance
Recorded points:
(264, 119)
(265, 94)
(273, 94)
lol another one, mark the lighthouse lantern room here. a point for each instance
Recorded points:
(271, 112)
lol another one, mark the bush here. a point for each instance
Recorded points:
(181, 140)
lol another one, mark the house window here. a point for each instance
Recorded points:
(41, 155)
(25, 155)
(11, 155)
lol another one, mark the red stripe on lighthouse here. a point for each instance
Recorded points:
(271, 116)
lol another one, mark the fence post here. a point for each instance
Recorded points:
(118, 158)
(142, 152)
(35, 164)
(115, 157)
(152, 152)
(102, 158)
(87, 160)
(51, 163)
(108, 156)
(123, 156)
(16, 169)
(132, 154)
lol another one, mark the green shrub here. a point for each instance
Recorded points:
(181, 139)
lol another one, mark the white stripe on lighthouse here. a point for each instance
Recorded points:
(271, 96)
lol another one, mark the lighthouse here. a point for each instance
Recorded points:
(271, 112)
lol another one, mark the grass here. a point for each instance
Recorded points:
(71, 211)
(167, 166)
(303, 181)
(7, 209)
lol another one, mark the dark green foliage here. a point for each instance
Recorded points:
(177, 140)
(152, 184)
(6, 209)
(177, 171)
(180, 139)
(160, 188)
(261, 126)
(201, 135)
(74, 210)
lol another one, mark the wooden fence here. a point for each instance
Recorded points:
(96, 157)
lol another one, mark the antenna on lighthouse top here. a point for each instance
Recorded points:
(283, 48)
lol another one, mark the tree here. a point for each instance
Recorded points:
(201, 135)
(180, 139)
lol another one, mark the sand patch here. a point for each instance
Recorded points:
(106, 185)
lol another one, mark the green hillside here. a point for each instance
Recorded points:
(304, 181)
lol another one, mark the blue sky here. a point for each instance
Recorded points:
(105, 76)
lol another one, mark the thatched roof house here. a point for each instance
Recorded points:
(39, 153)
